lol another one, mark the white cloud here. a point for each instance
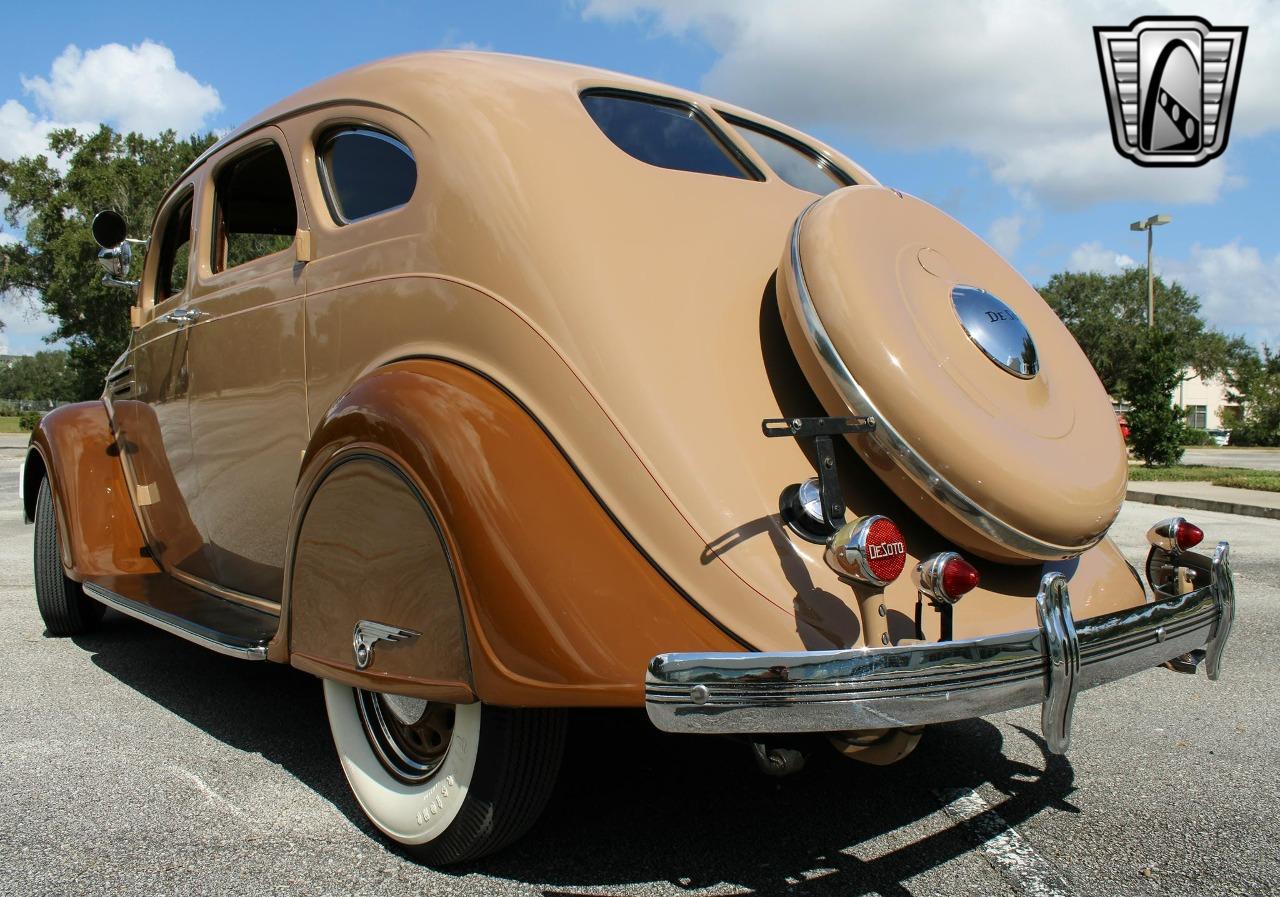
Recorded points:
(138, 88)
(1239, 288)
(1014, 83)
(1006, 234)
(1093, 257)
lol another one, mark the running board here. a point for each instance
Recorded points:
(205, 620)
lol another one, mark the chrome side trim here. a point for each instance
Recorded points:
(919, 684)
(175, 625)
(892, 443)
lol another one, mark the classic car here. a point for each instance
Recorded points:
(484, 388)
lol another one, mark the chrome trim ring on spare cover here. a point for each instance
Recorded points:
(918, 684)
(891, 442)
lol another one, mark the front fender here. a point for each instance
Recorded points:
(558, 606)
(74, 446)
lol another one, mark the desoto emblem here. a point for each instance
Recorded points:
(1170, 83)
(885, 550)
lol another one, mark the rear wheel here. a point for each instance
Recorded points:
(64, 607)
(449, 782)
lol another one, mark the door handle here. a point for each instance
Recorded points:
(184, 316)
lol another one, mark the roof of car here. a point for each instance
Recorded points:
(396, 83)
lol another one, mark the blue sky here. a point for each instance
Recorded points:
(989, 109)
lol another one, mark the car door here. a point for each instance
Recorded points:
(148, 397)
(246, 393)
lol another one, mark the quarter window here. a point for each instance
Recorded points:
(665, 133)
(365, 172)
(800, 166)
(256, 212)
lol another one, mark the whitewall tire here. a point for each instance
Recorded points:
(449, 782)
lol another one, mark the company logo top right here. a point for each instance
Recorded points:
(1170, 84)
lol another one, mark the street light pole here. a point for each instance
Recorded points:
(1148, 225)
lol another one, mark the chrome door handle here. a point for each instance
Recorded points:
(184, 316)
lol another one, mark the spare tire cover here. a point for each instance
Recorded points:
(991, 423)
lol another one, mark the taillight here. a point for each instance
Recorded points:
(1175, 534)
(1188, 535)
(946, 577)
(870, 550)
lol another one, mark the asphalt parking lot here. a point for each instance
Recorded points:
(134, 763)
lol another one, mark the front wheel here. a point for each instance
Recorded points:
(449, 782)
(64, 607)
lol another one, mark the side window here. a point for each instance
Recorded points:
(175, 250)
(256, 214)
(364, 172)
(665, 133)
(800, 166)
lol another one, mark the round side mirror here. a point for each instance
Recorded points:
(109, 229)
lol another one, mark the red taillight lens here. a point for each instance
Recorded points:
(945, 577)
(1188, 535)
(959, 577)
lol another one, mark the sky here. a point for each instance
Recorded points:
(990, 109)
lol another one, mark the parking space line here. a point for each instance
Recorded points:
(1007, 851)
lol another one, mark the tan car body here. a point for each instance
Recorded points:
(520, 414)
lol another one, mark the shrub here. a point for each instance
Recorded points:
(1196, 436)
(28, 420)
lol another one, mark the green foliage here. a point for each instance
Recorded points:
(1154, 368)
(1196, 436)
(55, 264)
(1254, 381)
(29, 420)
(1235, 477)
(1107, 314)
(40, 377)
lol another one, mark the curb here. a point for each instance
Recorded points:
(1202, 504)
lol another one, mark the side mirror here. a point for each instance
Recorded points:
(116, 255)
(109, 229)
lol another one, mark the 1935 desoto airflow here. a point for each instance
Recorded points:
(483, 387)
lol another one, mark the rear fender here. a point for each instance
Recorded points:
(547, 602)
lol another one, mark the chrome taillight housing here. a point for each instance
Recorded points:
(871, 550)
(945, 577)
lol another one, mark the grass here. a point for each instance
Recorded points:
(9, 425)
(1235, 477)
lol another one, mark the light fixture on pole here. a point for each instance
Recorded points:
(1148, 226)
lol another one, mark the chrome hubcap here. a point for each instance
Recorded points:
(410, 736)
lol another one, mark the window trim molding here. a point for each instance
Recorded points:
(236, 154)
(750, 171)
(186, 193)
(327, 135)
(824, 161)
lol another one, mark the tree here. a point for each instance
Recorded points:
(55, 262)
(40, 377)
(1107, 314)
(1155, 425)
(1254, 382)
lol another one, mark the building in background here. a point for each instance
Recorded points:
(1205, 403)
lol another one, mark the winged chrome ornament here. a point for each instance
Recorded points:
(368, 633)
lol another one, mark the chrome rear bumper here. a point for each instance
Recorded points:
(912, 685)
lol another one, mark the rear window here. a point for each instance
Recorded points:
(665, 133)
(800, 166)
(365, 172)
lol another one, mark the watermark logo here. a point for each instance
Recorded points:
(1170, 83)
